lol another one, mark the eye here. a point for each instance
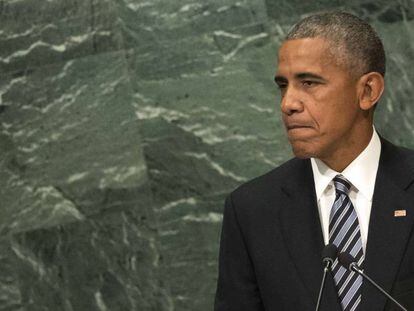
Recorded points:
(282, 89)
(282, 86)
(309, 83)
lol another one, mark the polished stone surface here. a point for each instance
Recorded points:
(125, 123)
(78, 231)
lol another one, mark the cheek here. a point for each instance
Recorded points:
(320, 111)
(332, 108)
(328, 120)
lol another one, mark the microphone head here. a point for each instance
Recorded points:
(346, 260)
(329, 253)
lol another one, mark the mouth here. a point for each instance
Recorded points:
(297, 126)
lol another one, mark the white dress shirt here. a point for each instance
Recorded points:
(361, 173)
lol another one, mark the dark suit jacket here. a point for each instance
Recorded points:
(271, 240)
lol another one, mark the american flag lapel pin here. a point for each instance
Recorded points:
(400, 213)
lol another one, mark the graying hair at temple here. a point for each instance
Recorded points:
(354, 42)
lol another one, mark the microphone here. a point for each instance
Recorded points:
(350, 263)
(329, 254)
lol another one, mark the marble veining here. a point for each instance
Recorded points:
(123, 126)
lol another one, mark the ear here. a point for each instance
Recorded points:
(371, 88)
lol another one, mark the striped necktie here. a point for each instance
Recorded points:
(344, 232)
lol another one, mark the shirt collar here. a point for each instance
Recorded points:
(361, 172)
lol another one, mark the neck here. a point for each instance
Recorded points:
(341, 158)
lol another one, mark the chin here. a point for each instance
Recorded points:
(302, 153)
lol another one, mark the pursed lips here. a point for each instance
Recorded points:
(296, 126)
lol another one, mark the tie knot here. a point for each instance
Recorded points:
(341, 184)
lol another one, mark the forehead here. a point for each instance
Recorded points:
(306, 55)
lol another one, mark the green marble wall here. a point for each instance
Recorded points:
(124, 123)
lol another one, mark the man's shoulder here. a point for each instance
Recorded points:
(400, 149)
(400, 155)
(270, 182)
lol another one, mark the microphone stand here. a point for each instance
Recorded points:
(355, 268)
(329, 255)
(325, 272)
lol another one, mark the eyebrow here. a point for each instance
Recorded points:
(308, 75)
(299, 76)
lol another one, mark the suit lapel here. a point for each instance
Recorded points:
(388, 235)
(302, 232)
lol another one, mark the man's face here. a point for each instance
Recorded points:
(319, 103)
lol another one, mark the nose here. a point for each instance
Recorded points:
(291, 101)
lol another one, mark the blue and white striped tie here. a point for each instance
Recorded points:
(344, 232)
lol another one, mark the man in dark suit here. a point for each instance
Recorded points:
(346, 185)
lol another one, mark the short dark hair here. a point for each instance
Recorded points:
(354, 42)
